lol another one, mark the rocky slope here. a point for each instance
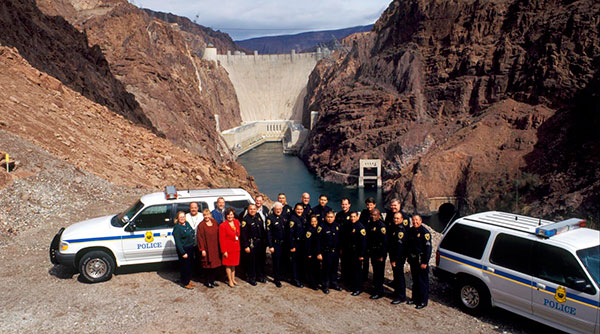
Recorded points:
(159, 64)
(55, 47)
(489, 101)
(200, 35)
(42, 110)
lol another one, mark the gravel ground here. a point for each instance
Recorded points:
(36, 297)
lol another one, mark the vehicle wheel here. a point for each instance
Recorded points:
(473, 296)
(96, 266)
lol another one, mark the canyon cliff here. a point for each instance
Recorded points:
(160, 64)
(117, 93)
(492, 102)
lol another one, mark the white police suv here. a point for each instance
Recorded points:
(542, 270)
(140, 234)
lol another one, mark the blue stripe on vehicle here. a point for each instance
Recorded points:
(510, 277)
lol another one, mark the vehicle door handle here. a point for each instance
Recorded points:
(490, 269)
(541, 286)
(167, 219)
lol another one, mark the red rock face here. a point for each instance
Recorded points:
(68, 91)
(160, 65)
(473, 99)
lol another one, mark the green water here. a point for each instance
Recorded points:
(275, 172)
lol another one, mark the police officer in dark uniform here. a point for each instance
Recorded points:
(377, 251)
(251, 242)
(287, 210)
(365, 214)
(296, 235)
(329, 236)
(389, 214)
(342, 218)
(419, 252)
(397, 236)
(321, 210)
(305, 202)
(275, 237)
(356, 252)
(312, 249)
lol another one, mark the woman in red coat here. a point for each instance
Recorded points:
(208, 245)
(229, 240)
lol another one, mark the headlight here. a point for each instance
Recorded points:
(64, 245)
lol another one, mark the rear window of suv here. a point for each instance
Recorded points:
(512, 252)
(466, 240)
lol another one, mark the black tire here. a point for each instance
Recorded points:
(473, 296)
(96, 266)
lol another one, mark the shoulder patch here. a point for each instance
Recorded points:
(243, 223)
(405, 222)
(347, 217)
(337, 228)
(268, 222)
(400, 235)
(308, 234)
(383, 230)
(291, 223)
(363, 232)
(353, 230)
(319, 229)
(427, 236)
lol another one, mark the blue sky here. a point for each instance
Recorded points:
(244, 19)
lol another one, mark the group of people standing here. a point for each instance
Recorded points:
(307, 245)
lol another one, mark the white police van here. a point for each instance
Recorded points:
(542, 270)
(140, 234)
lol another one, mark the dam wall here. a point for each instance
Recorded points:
(269, 87)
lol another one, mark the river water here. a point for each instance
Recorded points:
(275, 172)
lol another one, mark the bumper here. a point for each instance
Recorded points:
(56, 257)
(444, 276)
(66, 259)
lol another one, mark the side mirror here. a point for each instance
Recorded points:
(130, 227)
(125, 220)
(580, 285)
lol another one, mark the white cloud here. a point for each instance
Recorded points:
(242, 18)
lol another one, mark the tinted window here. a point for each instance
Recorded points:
(236, 205)
(466, 240)
(154, 217)
(512, 252)
(590, 257)
(557, 265)
(185, 207)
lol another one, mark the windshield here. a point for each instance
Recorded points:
(590, 257)
(129, 213)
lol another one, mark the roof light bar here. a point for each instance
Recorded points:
(170, 192)
(551, 230)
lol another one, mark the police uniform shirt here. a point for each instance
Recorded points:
(307, 210)
(419, 243)
(312, 245)
(275, 230)
(377, 239)
(397, 240)
(320, 212)
(329, 237)
(365, 217)
(251, 231)
(357, 236)
(296, 230)
(343, 220)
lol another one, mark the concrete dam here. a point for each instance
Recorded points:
(270, 90)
